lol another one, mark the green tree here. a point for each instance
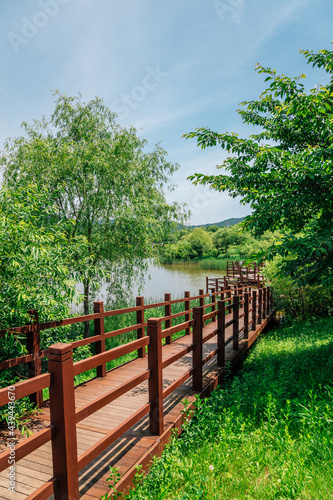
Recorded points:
(110, 185)
(227, 236)
(212, 228)
(37, 270)
(285, 170)
(198, 243)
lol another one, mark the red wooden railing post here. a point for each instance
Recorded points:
(228, 294)
(99, 327)
(33, 347)
(246, 315)
(197, 350)
(221, 333)
(167, 313)
(140, 320)
(260, 306)
(214, 303)
(264, 305)
(202, 298)
(269, 298)
(187, 308)
(254, 309)
(207, 284)
(156, 423)
(235, 322)
(240, 292)
(62, 414)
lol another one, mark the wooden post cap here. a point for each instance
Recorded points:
(60, 351)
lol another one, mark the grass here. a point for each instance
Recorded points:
(214, 264)
(266, 434)
(209, 263)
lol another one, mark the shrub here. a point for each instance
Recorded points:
(303, 302)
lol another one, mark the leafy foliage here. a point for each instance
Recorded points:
(285, 171)
(37, 260)
(38, 271)
(110, 186)
(215, 247)
(302, 302)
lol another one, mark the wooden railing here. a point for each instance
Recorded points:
(237, 275)
(32, 332)
(240, 270)
(252, 305)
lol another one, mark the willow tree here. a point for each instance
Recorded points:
(285, 171)
(103, 179)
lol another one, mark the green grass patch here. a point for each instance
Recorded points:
(214, 264)
(266, 434)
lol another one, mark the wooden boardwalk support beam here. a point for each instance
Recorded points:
(167, 314)
(254, 309)
(33, 347)
(221, 333)
(187, 308)
(197, 349)
(246, 314)
(156, 422)
(214, 290)
(260, 306)
(140, 319)
(99, 326)
(202, 299)
(236, 322)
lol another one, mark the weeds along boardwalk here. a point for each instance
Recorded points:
(123, 417)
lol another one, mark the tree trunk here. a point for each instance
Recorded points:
(86, 306)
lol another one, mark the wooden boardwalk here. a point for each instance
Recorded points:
(137, 445)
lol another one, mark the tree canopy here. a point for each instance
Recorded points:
(285, 170)
(37, 270)
(101, 177)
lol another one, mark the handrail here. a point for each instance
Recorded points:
(27, 329)
(114, 353)
(177, 328)
(26, 387)
(26, 446)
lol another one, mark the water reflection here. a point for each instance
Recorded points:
(174, 279)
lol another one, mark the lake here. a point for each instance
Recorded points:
(173, 278)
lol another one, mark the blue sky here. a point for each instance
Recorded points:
(164, 67)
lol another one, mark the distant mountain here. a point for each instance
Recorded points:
(222, 223)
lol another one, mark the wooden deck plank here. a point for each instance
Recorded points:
(5, 494)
